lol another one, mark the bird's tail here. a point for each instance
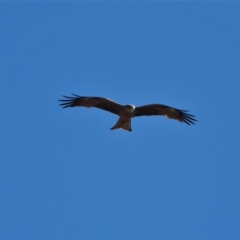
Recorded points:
(124, 124)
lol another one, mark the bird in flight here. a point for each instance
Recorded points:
(127, 112)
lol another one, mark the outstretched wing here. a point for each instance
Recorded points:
(169, 112)
(98, 102)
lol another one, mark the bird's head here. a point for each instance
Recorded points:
(130, 107)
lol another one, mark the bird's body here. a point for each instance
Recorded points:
(127, 112)
(125, 116)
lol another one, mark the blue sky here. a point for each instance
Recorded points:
(65, 175)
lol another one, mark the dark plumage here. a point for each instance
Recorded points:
(129, 111)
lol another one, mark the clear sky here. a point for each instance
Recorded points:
(65, 175)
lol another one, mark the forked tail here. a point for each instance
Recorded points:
(124, 124)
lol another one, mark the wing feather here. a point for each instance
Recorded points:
(169, 112)
(97, 102)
